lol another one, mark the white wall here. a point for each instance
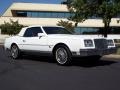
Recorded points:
(53, 21)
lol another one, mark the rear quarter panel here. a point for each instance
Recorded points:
(11, 40)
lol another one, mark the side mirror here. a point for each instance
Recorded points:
(41, 34)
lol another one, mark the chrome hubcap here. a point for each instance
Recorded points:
(61, 55)
(14, 52)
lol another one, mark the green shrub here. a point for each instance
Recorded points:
(11, 28)
(67, 25)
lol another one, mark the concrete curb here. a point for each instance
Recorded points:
(112, 56)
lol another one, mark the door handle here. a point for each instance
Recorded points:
(24, 41)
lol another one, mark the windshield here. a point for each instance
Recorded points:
(56, 30)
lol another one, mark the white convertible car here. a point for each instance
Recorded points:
(59, 42)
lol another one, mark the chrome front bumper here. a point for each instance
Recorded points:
(101, 52)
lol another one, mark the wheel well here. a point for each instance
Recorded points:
(59, 45)
(13, 44)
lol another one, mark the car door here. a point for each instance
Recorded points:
(31, 41)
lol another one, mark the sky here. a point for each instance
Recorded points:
(4, 4)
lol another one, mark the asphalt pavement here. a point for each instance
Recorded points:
(42, 73)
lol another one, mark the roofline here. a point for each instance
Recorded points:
(38, 3)
(37, 6)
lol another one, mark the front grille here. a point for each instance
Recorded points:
(100, 43)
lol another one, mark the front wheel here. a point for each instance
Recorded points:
(15, 53)
(62, 55)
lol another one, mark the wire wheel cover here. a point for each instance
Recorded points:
(14, 51)
(61, 55)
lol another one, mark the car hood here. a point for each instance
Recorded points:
(75, 36)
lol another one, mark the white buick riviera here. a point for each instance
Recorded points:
(59, 42)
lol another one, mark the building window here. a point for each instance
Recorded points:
(96, 30)
(21, 14)
(29, 14)
(87, 30)
(114, 30)
(43, 14)
(34, 14)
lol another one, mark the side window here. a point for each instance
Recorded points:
(32, 32)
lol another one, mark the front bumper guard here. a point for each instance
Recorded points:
(101, 52)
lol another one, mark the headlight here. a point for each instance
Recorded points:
(88, 43)
(110, 42)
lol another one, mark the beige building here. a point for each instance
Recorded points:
(49, 14)
(45, 14)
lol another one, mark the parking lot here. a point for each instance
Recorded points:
(42, 73)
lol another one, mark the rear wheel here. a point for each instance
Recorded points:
(62, 55)
(15, 53)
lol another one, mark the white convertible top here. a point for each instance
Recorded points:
(21, 33)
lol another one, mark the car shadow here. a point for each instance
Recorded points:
(82, 62)
(87, 63)
(47, 59)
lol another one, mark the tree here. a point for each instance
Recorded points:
(107, 9)
(11, 28)
(80, 10)
(66, 24)
(84, 9)
(64, 2)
